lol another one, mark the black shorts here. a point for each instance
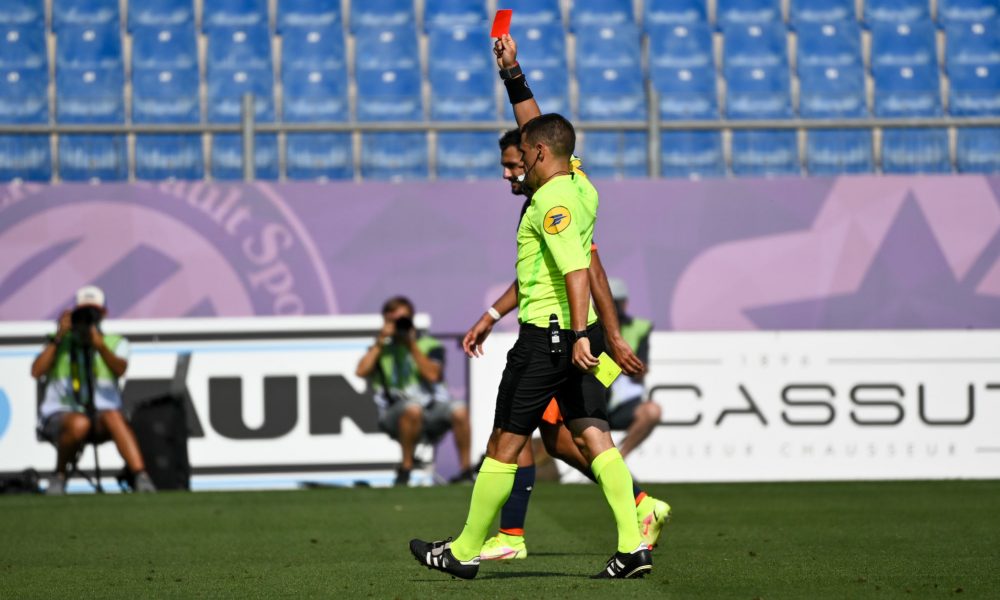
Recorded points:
(533, 376)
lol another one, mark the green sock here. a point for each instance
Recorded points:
(616, 483)
(492, 489)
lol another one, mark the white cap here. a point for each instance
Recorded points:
(619, 291)
(90, 295)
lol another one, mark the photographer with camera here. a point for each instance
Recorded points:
(81, 367)
(406, 370)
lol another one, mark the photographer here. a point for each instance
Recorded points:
(406, 370)
(66, 416)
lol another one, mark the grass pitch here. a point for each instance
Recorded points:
(816, 540)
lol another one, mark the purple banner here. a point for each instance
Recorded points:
(845, 253)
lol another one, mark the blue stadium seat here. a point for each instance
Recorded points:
(395, 156)
(835, 45)
(660, 13)
(903, 44)
(758, 93)
(978, 150)
(907, 92)
(611, 94)
(314, 96)
(319, 156)
(460, 49)
(25, 158)
(23, 47)
(89, 47)
(24, 96)
(836, 151)
(691, 154)
(681, 47)
(389, 96)
(686, 93)
(765, 152)
(383, 48)
(90, 96)
(160, 157)
(225, 94)
(463, 94)
(160, 13)
(534, 13)
(239, 48)
(972, 44)
(832, 92)
(84, 157)
(232, 14)
(165, 96)
(740, 13)
(818, 12)
(614, 47)
(915, 151)
(967, 11)
(450, 15)
(467, 155)
(314, 49)
(159, 48)
(896, 11)
(541, 46)
(756, 46)
(615, 154)
(551, 89)
(974, 91)
(380, 14)
(91, 13)
(308, 14)
(22, 12)
(227, 156)
(596, 13)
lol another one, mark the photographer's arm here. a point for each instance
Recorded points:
(429, 369)
(43, 362)
(117, 364)
(366, 366)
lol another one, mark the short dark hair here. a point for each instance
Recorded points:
(552, 130)
(510, 138)
(395, 302)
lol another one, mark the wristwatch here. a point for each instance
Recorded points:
(511, 73)
(580, 334)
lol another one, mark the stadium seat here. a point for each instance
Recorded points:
(23, 47)
(915, 151)
(169, 48)
(25, 158)
(758, 93)
(691, 154)
(467, 155)
(896, 11)
(165, 96)
(832, 92)
(835, 45)
(756, 46)
(450, 15)
(972, 44)
(597, 13)
(314, 96)
(541, 46)
(91, 13)
(225, 94)
(681, 47)
(239, 48)
(234, 14)
(974, 91)
(611, 94)
(319, 156)
(534, 13)
(24, 96)
(907, 92)
(818, 12)
(903, 44)
(551, 89)
(765, 152)
(608, 47)
(967, 11)
(978, 150)
(836, 151)
(385, 48)
(462, 94)
(460, 49)
(615, 154)
(22, 12)
(380, 14)
(740, 13)
(89, 47)
(395, 156)
(308, 14)
(160, 157)
(314, 49)
(160, 13)
(90, 96)
(227, 156)
(686, 93)
(661, 13)
(389, 96)
(84, 157)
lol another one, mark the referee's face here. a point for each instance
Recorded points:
(513, 168)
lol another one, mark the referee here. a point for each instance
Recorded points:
(553, 256)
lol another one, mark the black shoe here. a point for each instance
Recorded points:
(624, 565)
(402, 477)
(437, 555)
(466, 476)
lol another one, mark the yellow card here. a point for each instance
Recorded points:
(607, 370)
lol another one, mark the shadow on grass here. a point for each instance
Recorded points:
(501, 575)
(602, 556)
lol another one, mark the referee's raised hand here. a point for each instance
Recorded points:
(505, 49)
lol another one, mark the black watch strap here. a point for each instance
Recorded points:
(580, 334)
(511, 73)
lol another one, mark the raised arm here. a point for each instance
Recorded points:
(521, 98)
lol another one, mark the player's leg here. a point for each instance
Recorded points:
(638, 419)
(509, 543)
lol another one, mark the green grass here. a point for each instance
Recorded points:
(816, 540)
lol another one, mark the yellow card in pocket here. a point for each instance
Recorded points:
(607, 370)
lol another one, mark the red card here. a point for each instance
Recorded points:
(501, 23)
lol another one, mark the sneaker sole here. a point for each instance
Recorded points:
(639, 572)
(512, 555)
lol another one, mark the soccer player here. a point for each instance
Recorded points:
(549, 358)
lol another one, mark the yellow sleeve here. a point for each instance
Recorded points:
(561, 235)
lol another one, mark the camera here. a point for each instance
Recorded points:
(403, 326)
(81, 320)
